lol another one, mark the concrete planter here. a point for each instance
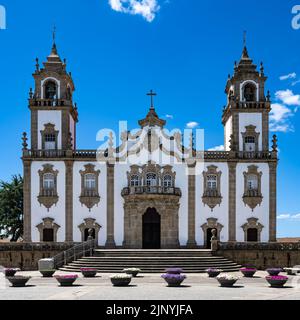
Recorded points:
(248, 273)
(120, 282)
(66, 281)
(277, 282)
(47, 273)
(18, 281)
(132, 272)
(274, 271)
(213, 273)
(89, 273)
(227, 283)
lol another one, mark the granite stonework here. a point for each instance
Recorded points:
(262, 255)
(26, 255)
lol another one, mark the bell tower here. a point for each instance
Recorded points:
(53, 114)
(246, 115)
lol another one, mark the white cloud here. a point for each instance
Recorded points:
(169, 116)
(288, 97)
(289, 217)
(192, 125)
(217, 148)
(288, 76)
(295, 82)
(146, 8)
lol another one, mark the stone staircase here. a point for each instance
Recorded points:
(152, 261)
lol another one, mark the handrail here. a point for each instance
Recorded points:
(74, 253)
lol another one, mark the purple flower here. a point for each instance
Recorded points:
(88, 269)
(169, 276)
(274, 269)
(279, 278)
(174, 271)
(248, 269)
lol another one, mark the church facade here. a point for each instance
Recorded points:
(151, 190)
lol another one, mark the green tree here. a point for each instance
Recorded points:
(11, 208)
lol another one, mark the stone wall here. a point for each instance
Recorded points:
(262, 255)
(26, 255)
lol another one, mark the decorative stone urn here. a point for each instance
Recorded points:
(18, 281)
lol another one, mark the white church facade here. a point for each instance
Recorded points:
(152, 190)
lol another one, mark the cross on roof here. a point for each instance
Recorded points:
(152, 94)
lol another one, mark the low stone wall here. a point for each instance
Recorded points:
(26, 255)
(262, 255)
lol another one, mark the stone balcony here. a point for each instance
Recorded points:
(151, 191)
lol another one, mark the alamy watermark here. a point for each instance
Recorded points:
(296, 18)
(2, 18)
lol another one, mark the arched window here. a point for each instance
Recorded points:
(250, 144)
(50, 90)
(134, 181)
(252, 182)
(168, 181)
(212, 183)
(90, 181)
(250, 92)
(151, 180)
(49, 182)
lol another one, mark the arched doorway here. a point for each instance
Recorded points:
(252, 235)
(151, 229)
(48, 235)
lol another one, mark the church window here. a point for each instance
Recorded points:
(50, 90)
(252, 194)
(250, 92)
(50, 142)
(151, 180)
(49, 182)
(250, 144)
(168, 181)
(252, 182)
(134, 181)
(212, 182)
(49, 137)
(90, 181)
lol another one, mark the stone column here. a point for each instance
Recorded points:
(265, 131)
(69, 200)
(273, 202)
(191, 205)
(34, 129)
(27, 200)
(110, 196)
(232, 201)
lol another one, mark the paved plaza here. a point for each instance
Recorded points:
(150, 287)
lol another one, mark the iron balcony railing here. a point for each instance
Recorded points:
(151, 190)
(75, 253)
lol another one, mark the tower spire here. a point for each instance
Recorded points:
(54, 48)
(245, 54)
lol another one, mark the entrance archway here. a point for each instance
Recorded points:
(151, 229)
(252, 235)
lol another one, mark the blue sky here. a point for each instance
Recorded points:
(183, 49)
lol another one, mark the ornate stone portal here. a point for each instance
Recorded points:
(167, 206)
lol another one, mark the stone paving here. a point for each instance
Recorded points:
(149, 287)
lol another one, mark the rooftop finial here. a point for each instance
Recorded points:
(54, 34)
(245, 38)
(54, 49)
(151, 94)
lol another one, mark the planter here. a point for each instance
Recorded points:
(121, 281)
(248, 273)
(292, 271)
(89, 272)
(174, 280)
(18, 281)
(10, 272)
(174, 271)
(132, 271)
(213, 273)
(66, 281)
(227, 283)
(277, 282)
(274, 271)
(47, 273)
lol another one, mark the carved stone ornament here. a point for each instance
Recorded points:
(48, 223)
(89, 197)
(212, 197)
(48, 197)
(252, 197)
(253, 224)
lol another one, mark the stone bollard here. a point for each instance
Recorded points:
(46, 264)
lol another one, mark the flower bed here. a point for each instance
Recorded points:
(132, 271)
(274, 271)
(18, 281)
(10, 272)
(121, 280)
(226, 280)
(248, 272)
(277, 281)
(213, 272)
(89, 272)
(47, 273)
(66, 280)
